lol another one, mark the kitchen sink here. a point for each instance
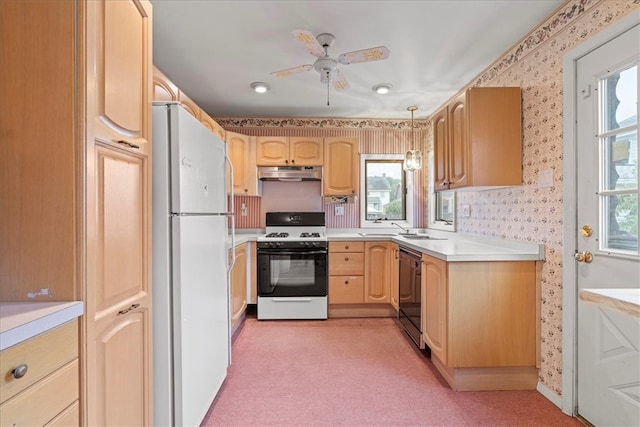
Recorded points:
(377, 234)
(421, 237)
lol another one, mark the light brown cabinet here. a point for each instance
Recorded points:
(289, 151)
(118, 178)
(346, 272)
(479, 320)
(394, 267)
(478, 139)
(242, 153)
(51, 383)
(79, 218)
(377, 273)
(341, 167)
(165, 90)
(238, 287)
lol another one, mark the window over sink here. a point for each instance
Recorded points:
(385, 187)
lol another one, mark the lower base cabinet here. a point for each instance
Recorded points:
(480, 322)
(48, 392)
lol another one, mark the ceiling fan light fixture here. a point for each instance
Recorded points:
(260, 87)
(382, 88)
(412, 158)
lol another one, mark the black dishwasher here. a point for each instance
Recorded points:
(410, 295)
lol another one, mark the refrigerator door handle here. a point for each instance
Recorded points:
(232, 214)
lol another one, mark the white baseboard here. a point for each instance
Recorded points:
(554, 398)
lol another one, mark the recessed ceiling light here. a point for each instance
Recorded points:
(260, 87)
(382, 88)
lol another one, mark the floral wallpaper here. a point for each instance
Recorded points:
(525, 213)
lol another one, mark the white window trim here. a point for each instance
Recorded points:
(431, 196)
(364, 222)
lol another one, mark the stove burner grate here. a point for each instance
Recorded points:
(282, 234)
(309, 234)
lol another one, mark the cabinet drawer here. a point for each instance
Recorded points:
(346, 264)
(346, 289)
(42, 354)
(346, 247)
(51, 396)
(68, 417)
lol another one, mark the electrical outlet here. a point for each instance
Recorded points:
(339, 211)
(545, 178)
(465, 211)
(243, 210)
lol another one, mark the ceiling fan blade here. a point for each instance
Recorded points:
(365, 55)
(310, 42)
(294, 70)
(338, 80)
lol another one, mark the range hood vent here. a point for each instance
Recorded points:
(290, 173)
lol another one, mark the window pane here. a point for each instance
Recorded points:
(621, 161)
(620, 218)
(385, 190)
(620, 100)
(445, 206)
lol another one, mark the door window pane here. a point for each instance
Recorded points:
(618, 138)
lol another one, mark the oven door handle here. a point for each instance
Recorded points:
(279, 252)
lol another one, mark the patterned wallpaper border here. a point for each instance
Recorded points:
(329, 123)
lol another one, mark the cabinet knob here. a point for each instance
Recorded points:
(20, 371)
(246, 190)
(346, 282)
(293, 162)
(346, 247)
(346, 258)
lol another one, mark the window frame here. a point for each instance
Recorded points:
(434, 197)
(408, 195)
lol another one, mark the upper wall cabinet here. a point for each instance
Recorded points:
(165, 90)
(478, 139)
(341, 167)
(289, 151)
(242, 153)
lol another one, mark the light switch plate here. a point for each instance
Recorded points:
(465, 211)
(545, 178)
(339, 211)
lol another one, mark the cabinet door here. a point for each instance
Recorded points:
(340, 166)
(458, 143)
(123, 69)
(239, 286)
(118, 293)
(118, 375)
(241, 152)
(163, 88)
(394, 276)
(272, 151)
(434, 306)
(440, 151)
(191, 107)
(377, 272)
(306, 151)
(212, 125)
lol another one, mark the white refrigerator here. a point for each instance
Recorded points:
(191, 342)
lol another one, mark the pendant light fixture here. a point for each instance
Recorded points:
(413, 158)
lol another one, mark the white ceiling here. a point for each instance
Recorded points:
(213, 50)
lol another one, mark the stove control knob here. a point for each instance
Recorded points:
(279, 244)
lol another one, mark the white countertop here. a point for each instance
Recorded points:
(626, 300)
(20, 321)
(456, 248)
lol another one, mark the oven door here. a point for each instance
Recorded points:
(292, 273)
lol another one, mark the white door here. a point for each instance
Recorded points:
(200, 315)
(197, 166)
(607, 237)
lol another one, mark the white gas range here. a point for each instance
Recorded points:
(292, 266)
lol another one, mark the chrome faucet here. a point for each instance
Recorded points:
(404, 230)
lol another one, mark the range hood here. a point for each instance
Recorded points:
(290, 173)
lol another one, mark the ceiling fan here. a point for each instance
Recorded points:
(326, 65)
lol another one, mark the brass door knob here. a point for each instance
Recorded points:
(585, 256)
(586, 231)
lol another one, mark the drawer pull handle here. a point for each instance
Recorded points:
(128, 144)
(128, 309)
(346, 258)
(20, 371)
